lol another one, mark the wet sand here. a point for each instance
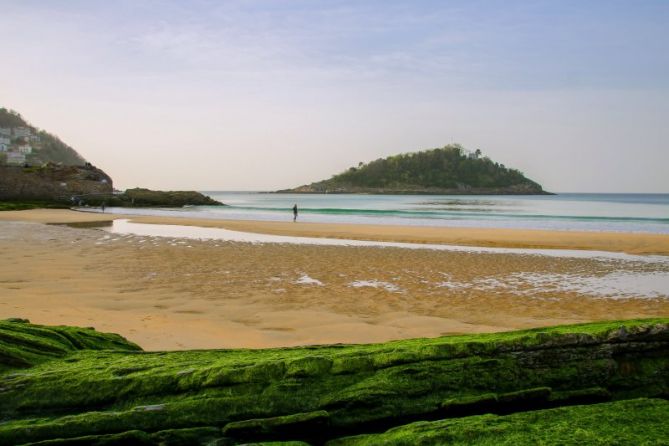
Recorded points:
(167, 293)
(631, 243)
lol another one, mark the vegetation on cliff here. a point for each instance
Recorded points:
(448, 170)
(52, 184)
(87, 395)
(47, 148)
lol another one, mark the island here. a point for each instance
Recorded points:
(450, 170)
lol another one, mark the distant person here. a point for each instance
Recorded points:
(295, 213)
(103, 207)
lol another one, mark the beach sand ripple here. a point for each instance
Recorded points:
(167, 293)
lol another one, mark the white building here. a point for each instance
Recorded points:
(15, 158)
(4, 140)
(5, 132)
(26, 149)
(21, 132)
(4, 147)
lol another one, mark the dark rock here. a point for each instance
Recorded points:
(53, 183)
(151, 198)
(17, 320)
(299, 425)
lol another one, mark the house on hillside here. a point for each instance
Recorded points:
(25, 149)
(474, 155)
(15, 158)
(4, 147)
(5, 132)
(22, 132)
(5, 140)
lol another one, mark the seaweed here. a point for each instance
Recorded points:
(66, 383)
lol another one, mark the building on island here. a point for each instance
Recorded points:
(15, 158)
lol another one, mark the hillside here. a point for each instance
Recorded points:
(447, 170)
(581, 384)
(22, 143)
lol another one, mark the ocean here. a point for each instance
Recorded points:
(569, 211)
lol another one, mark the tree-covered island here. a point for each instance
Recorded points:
(447, 170)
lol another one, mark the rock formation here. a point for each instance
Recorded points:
(53, 183)
(77, 386)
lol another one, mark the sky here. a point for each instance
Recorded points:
(263, 95)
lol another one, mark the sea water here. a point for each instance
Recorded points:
(589, 212)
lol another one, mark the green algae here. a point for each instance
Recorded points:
(23, 344)
(100, 385)
(172, 437)
(638, 422)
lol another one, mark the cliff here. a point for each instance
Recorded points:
(53, 183)
(580, 384)
(38, 169)
(36, 166)
(450, 170)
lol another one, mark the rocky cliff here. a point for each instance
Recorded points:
(37, 166)
(53, 183)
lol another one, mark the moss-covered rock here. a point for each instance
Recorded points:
(172, 437)
(315, 394)
(23, 344)
(302, 425)
(631, 422)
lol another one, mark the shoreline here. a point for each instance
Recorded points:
(626, 242)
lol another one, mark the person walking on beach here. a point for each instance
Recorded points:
(103, 207)
(295, 213)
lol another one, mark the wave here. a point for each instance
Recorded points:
(455, 215)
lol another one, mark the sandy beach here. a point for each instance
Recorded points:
(168, 293)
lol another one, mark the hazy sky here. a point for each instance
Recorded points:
(240, 95)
